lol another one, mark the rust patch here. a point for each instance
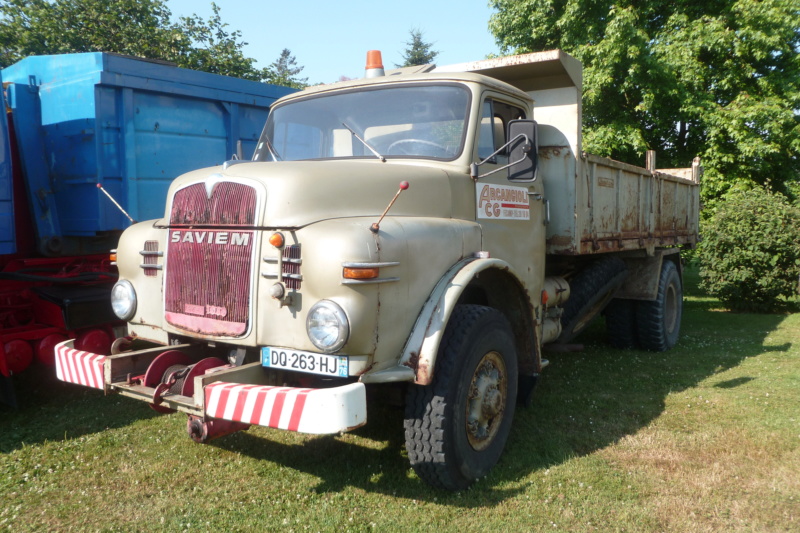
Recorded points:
(423, 374)
(559, 240)
(548, 152)
(413, 362)
(366, 369)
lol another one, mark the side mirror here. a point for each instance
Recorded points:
(523, 150)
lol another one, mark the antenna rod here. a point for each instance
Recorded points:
(377, 225)
(116, 204)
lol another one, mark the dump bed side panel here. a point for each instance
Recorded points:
(618, 207)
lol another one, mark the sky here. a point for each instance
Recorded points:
(330, 38)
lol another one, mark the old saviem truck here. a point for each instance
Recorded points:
(436, 227)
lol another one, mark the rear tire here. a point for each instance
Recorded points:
(591, 291)
(621, 324)
(659, 321)
(456, 427)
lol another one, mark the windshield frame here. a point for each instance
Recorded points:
(265, 150)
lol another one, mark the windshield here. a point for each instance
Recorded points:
(398, 121)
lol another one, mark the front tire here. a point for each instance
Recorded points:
(456, 427)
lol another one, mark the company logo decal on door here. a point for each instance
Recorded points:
(502, 202)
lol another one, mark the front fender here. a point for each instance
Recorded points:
(422, 347)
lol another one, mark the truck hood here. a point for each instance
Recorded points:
(299, 193)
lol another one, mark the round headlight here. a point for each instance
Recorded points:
(123, 299)
(327, 326)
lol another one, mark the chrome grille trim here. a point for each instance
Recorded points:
(290, 267)
(151, 254)
(350, 264)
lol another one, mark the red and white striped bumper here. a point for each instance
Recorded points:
(79, 367)
(318, 411)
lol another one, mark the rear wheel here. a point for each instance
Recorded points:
(591, 290)
(659, 321)
(456, 427)
(621, 324)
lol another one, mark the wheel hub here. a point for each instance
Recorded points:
(486, 401)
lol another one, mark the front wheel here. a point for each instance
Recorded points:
(456, 427)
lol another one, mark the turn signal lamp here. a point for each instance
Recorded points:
(277, 240)
(360, 273)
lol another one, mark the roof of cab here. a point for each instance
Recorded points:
(397, 78)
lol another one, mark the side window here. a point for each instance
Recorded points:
(494, 126)
(486, 140)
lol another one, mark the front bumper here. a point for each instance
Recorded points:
(248, 394)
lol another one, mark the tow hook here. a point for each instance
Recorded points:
(163, 388)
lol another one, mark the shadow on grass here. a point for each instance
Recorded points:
(586, 401)
(50, 410)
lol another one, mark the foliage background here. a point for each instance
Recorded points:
(139, 28)
(719, 79)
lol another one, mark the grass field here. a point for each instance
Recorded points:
(705, 437)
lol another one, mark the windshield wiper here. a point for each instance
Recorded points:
(365, 143)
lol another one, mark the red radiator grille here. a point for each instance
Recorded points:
(208, 285)
(231, 204)
(208, 279)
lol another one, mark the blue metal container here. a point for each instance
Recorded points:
(127, 124)
(6, 185)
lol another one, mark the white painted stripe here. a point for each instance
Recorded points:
(73, 367)
(212, 398)
(250, 403)
(99, 375)
(288, 407)
(59, 365)
(97, 362)
(80, 363)
(87, 365)
(67, 366)
(269, 405)
(76, 368)
(67, 370)
(233, 399)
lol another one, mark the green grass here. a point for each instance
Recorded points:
(705, 437)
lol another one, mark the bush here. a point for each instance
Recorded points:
(750, 251)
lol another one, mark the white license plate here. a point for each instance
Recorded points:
(314, 363)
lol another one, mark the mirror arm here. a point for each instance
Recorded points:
(473, 168)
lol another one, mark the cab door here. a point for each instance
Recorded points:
(511, 214)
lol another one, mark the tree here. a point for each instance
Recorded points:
(750, 252)
(284, 71)
(418, 52)
(134, 27)
(139, 28)
(210, 48)
(719, 79)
